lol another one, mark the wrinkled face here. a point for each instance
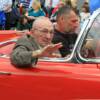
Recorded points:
(44, 33)
(70, 23)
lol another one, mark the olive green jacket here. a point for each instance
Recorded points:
(21, 55)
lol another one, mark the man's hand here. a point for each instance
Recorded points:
(48, 51)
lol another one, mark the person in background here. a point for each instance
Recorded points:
(58, 6)
(35, 11)
(50, 5)
(85, 12)
(55, 10)
(6, 7)
(35, 45)
(65, 29)
(54, 4)
(23, 24)
(25, 4)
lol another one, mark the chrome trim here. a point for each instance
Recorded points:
(92, 18)
(7, 42)
(53, 59)
(5, 73)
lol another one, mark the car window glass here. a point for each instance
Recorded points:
(91, 45)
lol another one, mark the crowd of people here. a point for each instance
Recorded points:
(53, 28)
(20, 14)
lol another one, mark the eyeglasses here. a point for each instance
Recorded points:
(45, 31)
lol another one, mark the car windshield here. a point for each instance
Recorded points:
(91, 45)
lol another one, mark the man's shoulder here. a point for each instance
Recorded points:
(58, 37)
(25, 40)
(58, 34)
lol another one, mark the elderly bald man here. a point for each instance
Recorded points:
(38, 44)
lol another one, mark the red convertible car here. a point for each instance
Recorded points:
(74, 77)
(7, 35)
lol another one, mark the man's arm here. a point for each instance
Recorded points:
(21, 57)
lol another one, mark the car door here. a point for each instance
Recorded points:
(49, 81)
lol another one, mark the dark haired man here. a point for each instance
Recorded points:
(67, 23)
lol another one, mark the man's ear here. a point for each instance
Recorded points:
(62, 18)
(32, 31)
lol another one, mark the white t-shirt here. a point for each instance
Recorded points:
(84, 16)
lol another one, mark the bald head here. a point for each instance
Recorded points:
(42, 22)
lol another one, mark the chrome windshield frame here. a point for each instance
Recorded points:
(92, 19)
